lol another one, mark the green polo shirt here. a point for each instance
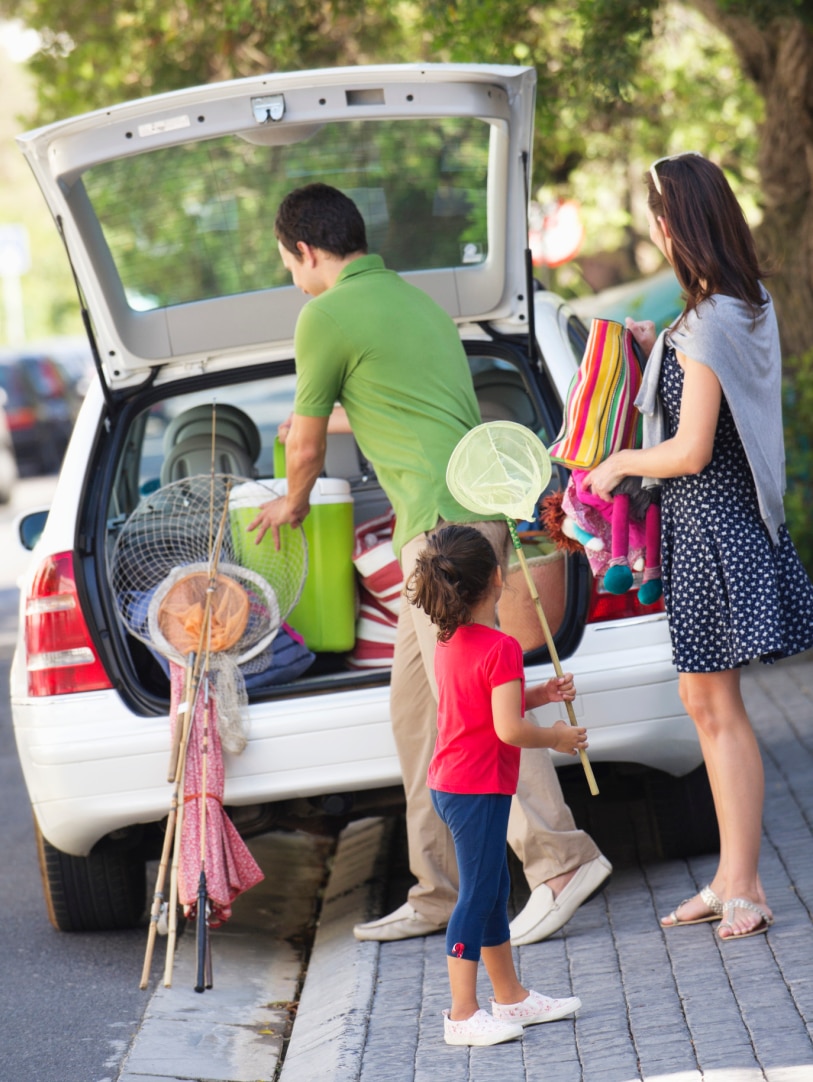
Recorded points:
(393, 358)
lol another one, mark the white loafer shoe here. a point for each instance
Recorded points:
(404, 923)
(543, 915)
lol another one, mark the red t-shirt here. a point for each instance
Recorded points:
(469, 757)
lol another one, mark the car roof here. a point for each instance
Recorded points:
(166, 204)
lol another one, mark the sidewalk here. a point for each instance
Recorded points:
(657, 1006)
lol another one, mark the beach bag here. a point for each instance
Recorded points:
(600, 415)
(380, 585)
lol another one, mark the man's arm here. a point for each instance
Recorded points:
(304, 460)
(337, 422)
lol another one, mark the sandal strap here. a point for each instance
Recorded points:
(711, 900)
(673, 917)
(743, 903)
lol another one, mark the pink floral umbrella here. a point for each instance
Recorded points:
(230, 868)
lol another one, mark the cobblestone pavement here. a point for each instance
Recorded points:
(657, 1006)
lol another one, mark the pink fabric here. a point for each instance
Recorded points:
(595, 515)
(230, 867)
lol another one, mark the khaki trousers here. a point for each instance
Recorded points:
(541, 829)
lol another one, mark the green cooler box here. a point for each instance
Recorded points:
(325, 615)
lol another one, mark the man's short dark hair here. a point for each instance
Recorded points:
(322, 217)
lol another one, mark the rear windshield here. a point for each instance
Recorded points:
(195, 221)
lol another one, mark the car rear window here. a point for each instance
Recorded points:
(195, 221)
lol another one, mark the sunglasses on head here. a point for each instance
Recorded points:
(653, 169)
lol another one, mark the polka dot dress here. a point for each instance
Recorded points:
(730, 594)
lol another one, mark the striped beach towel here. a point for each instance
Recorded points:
(600, 415)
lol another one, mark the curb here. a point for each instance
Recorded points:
(236, 1032)
(331, 1025)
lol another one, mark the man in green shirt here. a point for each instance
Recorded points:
(393, 359)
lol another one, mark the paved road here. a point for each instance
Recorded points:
(658, 1006)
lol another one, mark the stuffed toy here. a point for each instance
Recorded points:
(622, 535)
(619, 537)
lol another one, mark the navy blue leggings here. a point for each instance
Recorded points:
(479, 826)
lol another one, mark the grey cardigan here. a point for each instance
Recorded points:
(745, 356)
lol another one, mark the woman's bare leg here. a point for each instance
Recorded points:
(734, 765)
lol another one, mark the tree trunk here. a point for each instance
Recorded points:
(779, 58)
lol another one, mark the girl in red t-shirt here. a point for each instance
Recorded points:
(473, 774)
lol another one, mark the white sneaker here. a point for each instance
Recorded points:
(481, 1029)
(404, 923)
(535, 1008)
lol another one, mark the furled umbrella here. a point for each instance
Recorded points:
(230, 867)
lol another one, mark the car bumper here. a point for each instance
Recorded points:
(92, 767)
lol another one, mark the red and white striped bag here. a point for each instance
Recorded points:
(380, 584)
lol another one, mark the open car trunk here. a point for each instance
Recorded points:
(341, 632)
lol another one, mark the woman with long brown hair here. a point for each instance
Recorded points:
(734, 588)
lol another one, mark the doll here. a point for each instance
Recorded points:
(618, 537)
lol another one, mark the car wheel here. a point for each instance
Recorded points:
(683, 813)
(104, 891)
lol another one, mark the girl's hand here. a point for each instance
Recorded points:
(561, 689)
(643, 333)
(567, 738)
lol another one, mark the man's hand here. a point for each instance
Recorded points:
(274, 514)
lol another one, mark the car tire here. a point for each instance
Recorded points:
(104, 891)
(683, 815)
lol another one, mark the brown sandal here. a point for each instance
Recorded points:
(712, 902)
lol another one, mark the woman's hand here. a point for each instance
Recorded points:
(605, 477)
(643, 333)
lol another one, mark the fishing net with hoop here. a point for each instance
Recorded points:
(191, 583)
(160, 572)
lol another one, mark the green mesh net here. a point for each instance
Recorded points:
(499, 468)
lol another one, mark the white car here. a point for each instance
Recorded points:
(166, 206)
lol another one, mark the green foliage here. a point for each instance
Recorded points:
(620, 82)
(615, 32)
(94, 56)
(798, 409)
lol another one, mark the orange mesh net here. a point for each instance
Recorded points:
(181, 613)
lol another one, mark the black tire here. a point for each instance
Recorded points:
(683, 814)
(104, 891)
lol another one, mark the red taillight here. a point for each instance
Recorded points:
(21, 418)
(60, 656)
(604, 606)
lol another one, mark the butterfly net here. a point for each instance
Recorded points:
(188, 577)
(499, 468)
